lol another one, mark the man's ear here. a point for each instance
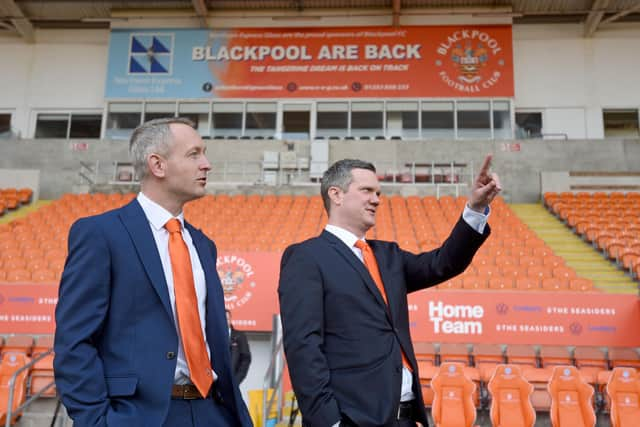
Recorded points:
(336, 195)
(156, 165)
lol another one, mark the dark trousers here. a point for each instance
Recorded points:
(199, 413)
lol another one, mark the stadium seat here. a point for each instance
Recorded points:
(624, 357)
(18, 344)
(590, 361)
(11, 362)
(426, 358)
(452, 401)
(510, 398)
(571, 399)
(486, 357)
(623, 390)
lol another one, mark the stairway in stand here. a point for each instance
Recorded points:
(578, 254)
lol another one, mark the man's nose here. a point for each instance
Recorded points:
(206, 164)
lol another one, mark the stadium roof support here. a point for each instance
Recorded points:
(396, 13)
(21, 23)
(595, 16)
(201, 11)
(620, 14)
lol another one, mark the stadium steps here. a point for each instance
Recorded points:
(23, 211)
(578, 254)
(40, 414)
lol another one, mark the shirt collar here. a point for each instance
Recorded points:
(347, 237)
(156, 214)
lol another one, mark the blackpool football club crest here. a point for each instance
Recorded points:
(237, 278)
(470, 61)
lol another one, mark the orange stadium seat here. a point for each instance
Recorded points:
(580, 284)
(486, 357)
(18, 344)
(18, 275)
(510, 398)
(452, 401)
(12, 362)
(624, 357)
(571, 399)
(42, 371)
(426, 358)
(590, 361)
(623, 390)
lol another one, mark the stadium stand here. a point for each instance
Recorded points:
(270, 223)
(515, 257)
(608, 221)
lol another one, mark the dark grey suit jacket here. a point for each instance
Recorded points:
(343, 343)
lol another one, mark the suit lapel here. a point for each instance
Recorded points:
(358, 265)
(384, 274)
(137, 225)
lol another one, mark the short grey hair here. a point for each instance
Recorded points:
(339, 175)
(153, 136)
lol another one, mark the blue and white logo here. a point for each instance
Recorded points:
(150, 53)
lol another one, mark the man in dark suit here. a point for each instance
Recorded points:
(139, 284)
(240, 351)
(343, 303)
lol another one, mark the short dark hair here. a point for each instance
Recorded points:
(152, 136)
(339, 175)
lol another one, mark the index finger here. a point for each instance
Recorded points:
(484, 170)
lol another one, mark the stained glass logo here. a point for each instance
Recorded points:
(150, 53)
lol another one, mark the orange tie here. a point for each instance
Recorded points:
(187, 310)
(372, 265)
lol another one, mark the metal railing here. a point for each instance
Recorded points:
(250, 172)
(274, 373)
(33, 397)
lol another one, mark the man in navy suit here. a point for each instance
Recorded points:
(119, 353)
(347, 343)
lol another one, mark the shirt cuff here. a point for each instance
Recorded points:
(336, 424)
(476, 220)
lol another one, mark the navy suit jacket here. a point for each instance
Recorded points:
(116, 343)
(342, 342)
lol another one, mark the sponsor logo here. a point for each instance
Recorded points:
(575, 328)
(502, 308)
(22, 300)
(150, 54)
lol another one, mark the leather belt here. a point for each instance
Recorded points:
(186, 392)
(405, 411)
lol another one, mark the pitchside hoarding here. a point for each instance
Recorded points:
(361, 62)
(250, 282)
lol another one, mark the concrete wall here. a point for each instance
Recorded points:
(62, 71)
(571, 79)
(519, 163)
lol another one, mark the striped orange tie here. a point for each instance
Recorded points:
(187, 310)
(372, 265)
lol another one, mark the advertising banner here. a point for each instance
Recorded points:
(250, 282)
(548, 318)
(361, 62)
(27, 308)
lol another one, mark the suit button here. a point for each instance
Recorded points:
(171, 355)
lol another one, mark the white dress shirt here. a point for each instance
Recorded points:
(476, 220)
(158, 217)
